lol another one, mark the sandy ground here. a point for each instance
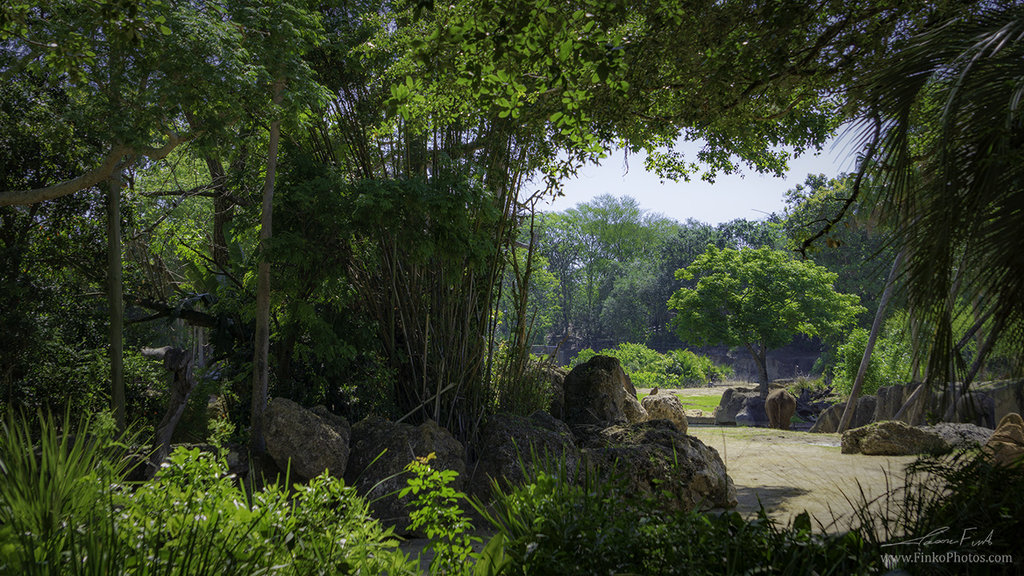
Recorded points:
(788, 472)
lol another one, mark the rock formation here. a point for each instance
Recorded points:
(381, 450)
(666, 406)
(596, 393)
(508, 445)
(892, 438)
(655, 458)
(311, 440)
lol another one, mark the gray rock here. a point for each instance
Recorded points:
(753, 412)
(311, 440)
(380, 451)
(828, 421)
(892, 438)
(732, 402)
(508, 445)
(889, 400)
(595, 393)
(655, 458)
(960, 435)
(666, 406)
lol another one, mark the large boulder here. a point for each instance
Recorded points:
(508, 445)
(959, 436)
(780, 405)
(1006, 445)
(380, 451)
(657, 459)
(309, 441)
(889, 400)
(596, 392)
(753, 412)
(892, 438)
(732, 403)
(863, 414)
(666, 406)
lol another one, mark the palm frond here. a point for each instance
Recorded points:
(946, 120)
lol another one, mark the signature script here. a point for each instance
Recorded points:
(942, 536)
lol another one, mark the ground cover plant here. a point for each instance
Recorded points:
(66, 508)
(554, 525)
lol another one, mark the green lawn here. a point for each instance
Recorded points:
(706, 402)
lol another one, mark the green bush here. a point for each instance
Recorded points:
(889, 364)
(647, 368)
(520, 383)
(64, 509)
(437, 513)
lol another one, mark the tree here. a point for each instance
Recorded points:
(858, 249)
(759, 299)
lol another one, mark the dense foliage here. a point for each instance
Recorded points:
(648, 369)
(759, 299)
(67, 509)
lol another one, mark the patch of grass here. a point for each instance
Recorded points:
(705, 402)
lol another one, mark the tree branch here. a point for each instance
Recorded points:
(90, 178)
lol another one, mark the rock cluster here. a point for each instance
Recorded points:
(381, 450)
(307, 442)
(606, 432)
(863, 414)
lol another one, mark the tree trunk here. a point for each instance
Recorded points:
(115, 298)
(222, 211)
(876, 326)
(261, 347)
(760, 356)
(179, 362)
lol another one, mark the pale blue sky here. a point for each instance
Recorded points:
(748, 195)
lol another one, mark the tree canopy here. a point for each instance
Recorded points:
(760, 299)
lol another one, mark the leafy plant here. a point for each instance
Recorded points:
(647, 368)
(56, 481)
(554, 526)
(437, 513)
(63, 511)
(890, 362)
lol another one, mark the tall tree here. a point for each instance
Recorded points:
(759, 299)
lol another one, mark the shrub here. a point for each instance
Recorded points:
(436, 511)
(520, 383)
(63, 510)
(554, 526)
(647, 368)
(889, 363)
